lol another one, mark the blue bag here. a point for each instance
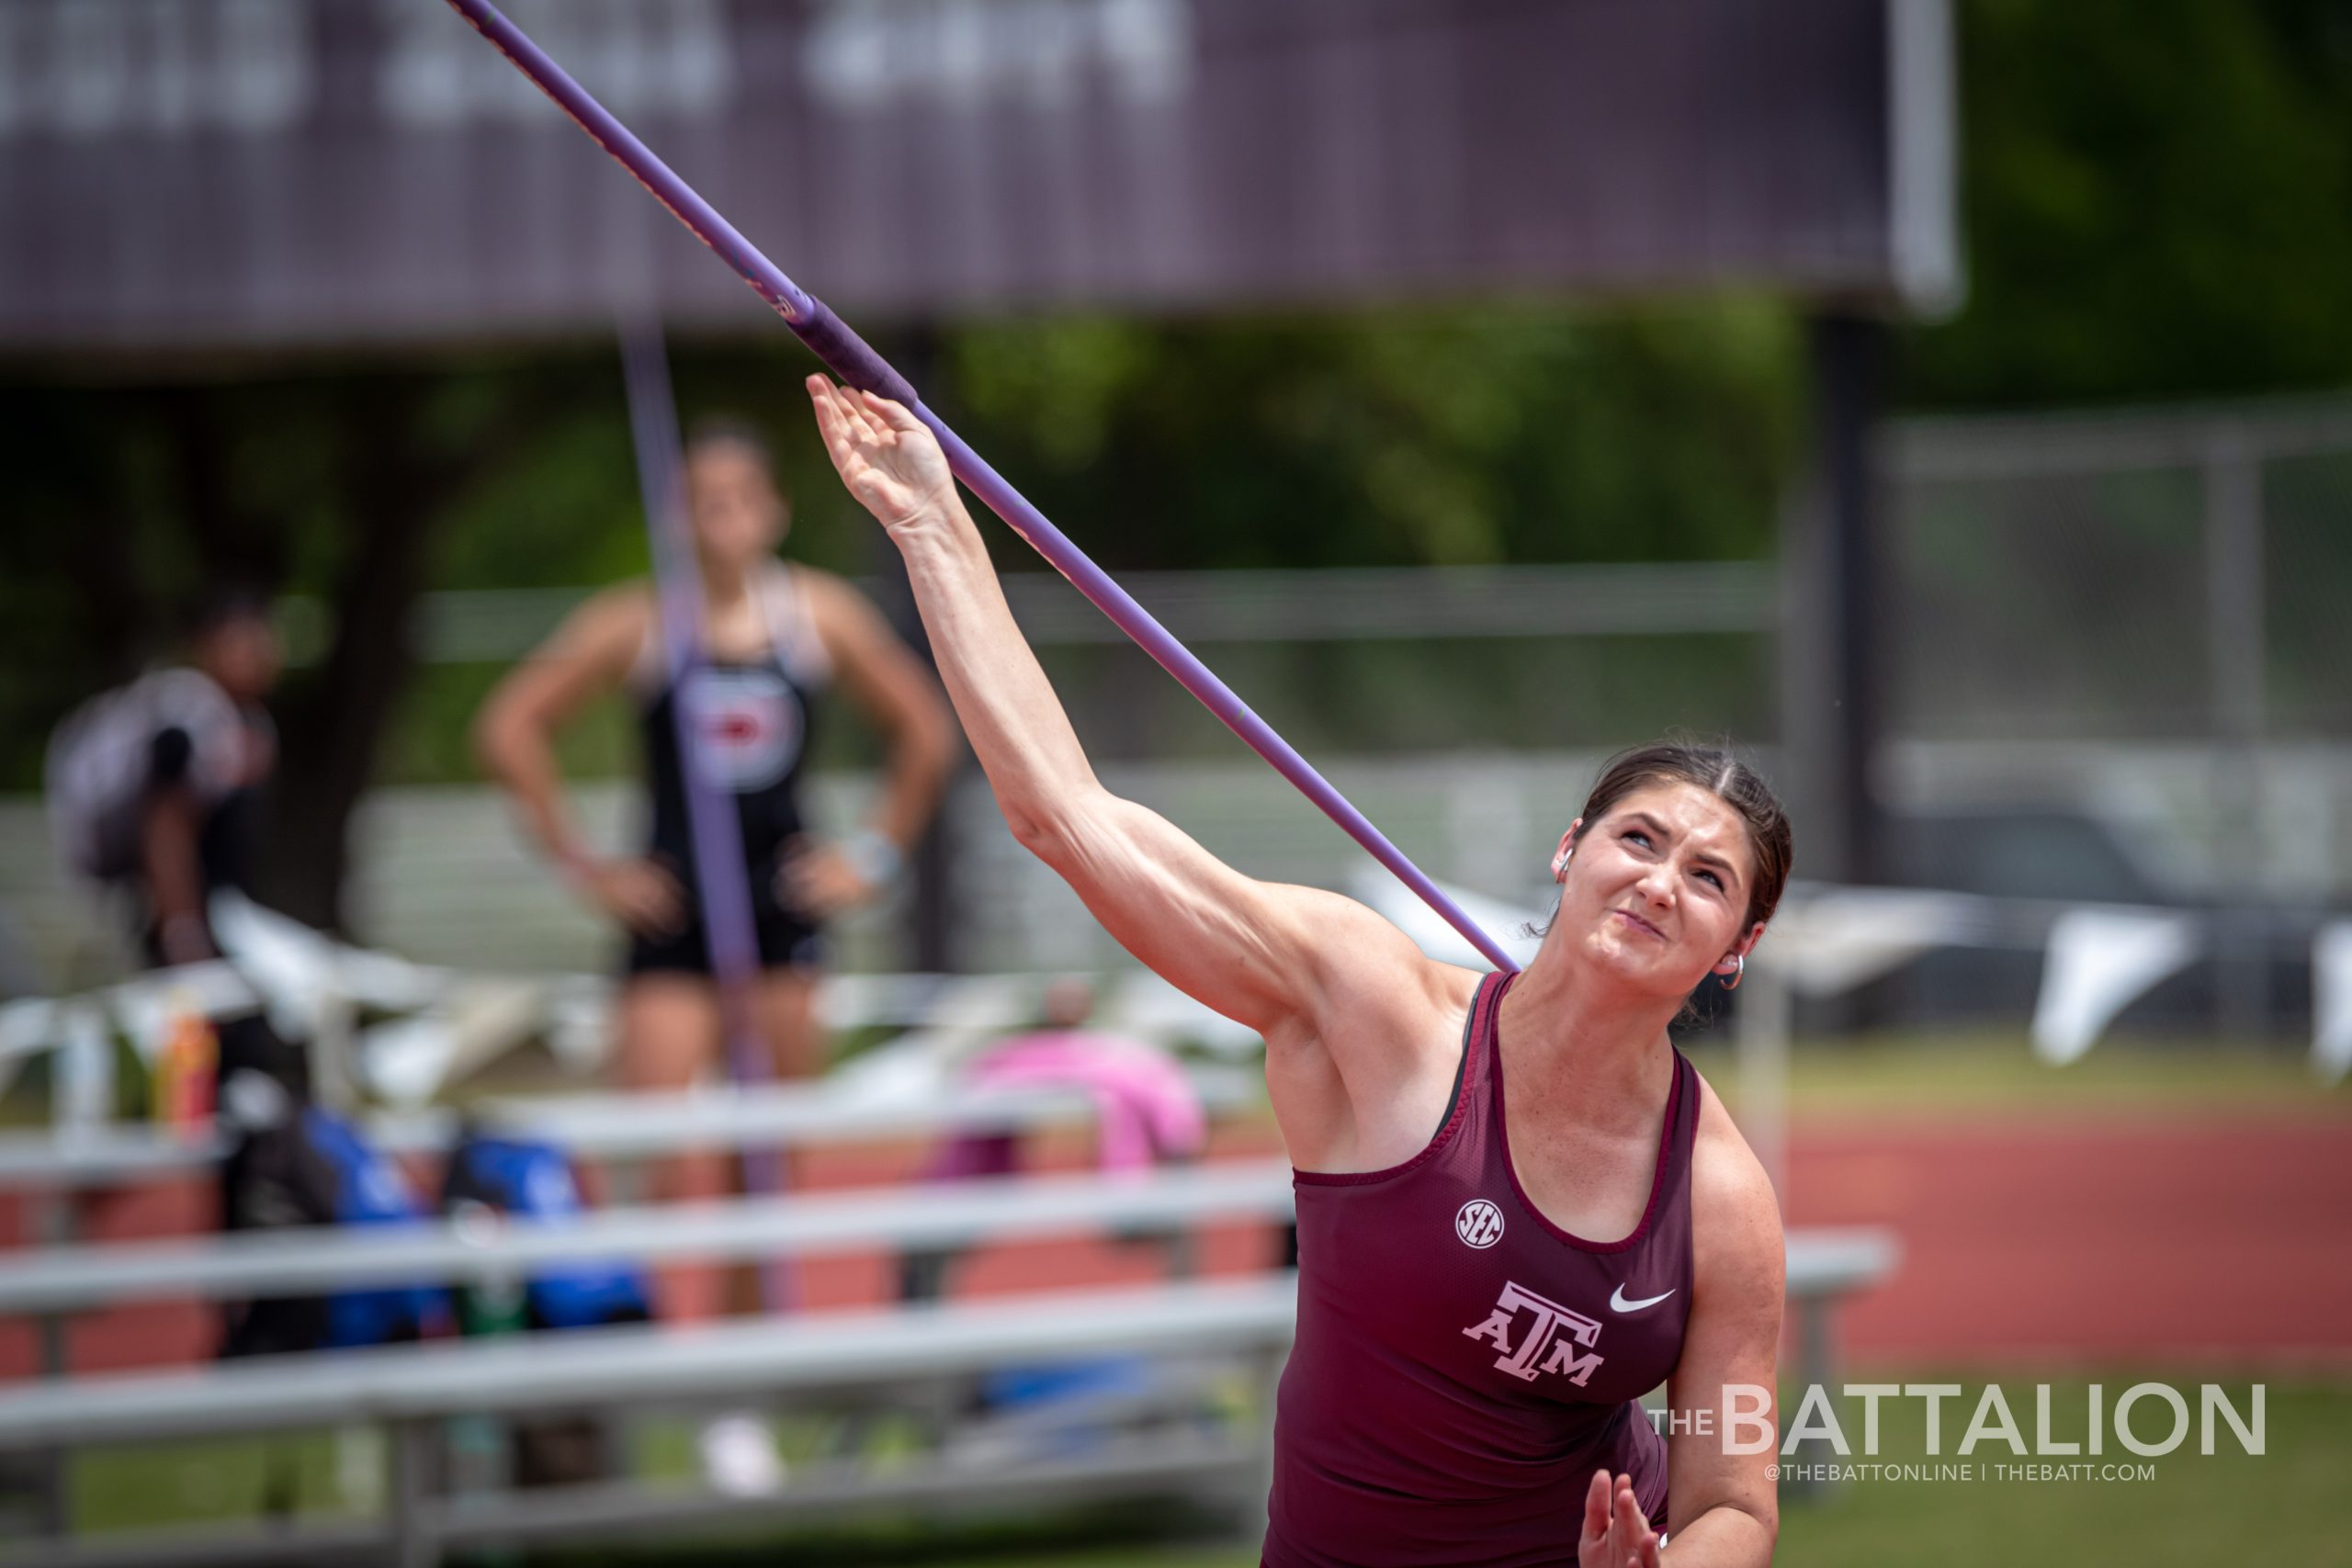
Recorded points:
(518, 1175)
(369, 1188)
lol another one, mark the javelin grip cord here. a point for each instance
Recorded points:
(849, 356)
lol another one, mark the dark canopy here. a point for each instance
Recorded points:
(203, 173)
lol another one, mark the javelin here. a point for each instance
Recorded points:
(849, 357)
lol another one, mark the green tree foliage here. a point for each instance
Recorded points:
(130, 504)
(1502, 432)
(2157, 200)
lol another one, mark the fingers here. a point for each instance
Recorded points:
(813, 879)
(877, 429)
(1629, 1528)
(792, 877)
(647, 917)
(668, 891)
(855, 426)
(833, 428)
(856, 407)
(660, 907)
(649, 900)
(1596, 1507)
(896, 415)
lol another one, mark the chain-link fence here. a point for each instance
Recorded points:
(2138, 617)
(2124, 577)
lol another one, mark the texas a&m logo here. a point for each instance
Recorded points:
(1566, 1333)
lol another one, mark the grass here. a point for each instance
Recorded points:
(222, 1479)
(2283, 1506)
(1997, 1073)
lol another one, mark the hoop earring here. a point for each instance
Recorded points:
(1738, 973)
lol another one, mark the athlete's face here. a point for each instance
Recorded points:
(737, 515)
(1656, 891)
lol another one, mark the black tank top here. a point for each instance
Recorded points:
(752, 720)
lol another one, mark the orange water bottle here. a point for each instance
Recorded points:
(184, 1075)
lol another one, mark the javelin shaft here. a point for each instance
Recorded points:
(714, 829)
(850, 358)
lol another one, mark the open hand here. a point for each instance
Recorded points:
(886, 456)
(641, 894)
(815, 879)
(1616, 1533)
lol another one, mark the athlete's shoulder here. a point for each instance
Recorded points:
(846, 619)
(824, 590)
(606, 630)
(1735, 1213)
(628, 605)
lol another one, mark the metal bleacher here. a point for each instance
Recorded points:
(1176, 1436)
(412, 1389)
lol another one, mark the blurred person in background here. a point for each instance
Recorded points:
(1465, 1379)
(155, 789)
(202, 834)
(775, 640)
(157, 796)
(1147, 1113)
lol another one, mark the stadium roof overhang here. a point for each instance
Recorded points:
(282, 175)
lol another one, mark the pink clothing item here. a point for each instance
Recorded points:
(1145, 1107)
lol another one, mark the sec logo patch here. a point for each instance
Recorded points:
(1479, 1224)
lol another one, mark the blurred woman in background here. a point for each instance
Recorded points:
(774, 640)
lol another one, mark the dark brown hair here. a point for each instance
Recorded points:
(732, 430)
(1721, 772)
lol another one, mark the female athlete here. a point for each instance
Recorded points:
(1463, 1382)
(774, 638)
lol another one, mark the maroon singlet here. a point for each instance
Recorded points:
(1460, 1368)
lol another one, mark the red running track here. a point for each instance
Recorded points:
(2153, 1237)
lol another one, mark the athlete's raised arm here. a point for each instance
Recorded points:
(1304, 967)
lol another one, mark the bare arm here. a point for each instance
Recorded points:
(514, 732)
(175, 879)
(1299, 966)
(1725, 1506)
(514, 741)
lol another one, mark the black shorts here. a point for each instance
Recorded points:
(786, 942)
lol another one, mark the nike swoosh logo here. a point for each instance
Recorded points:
(1617, 1302)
